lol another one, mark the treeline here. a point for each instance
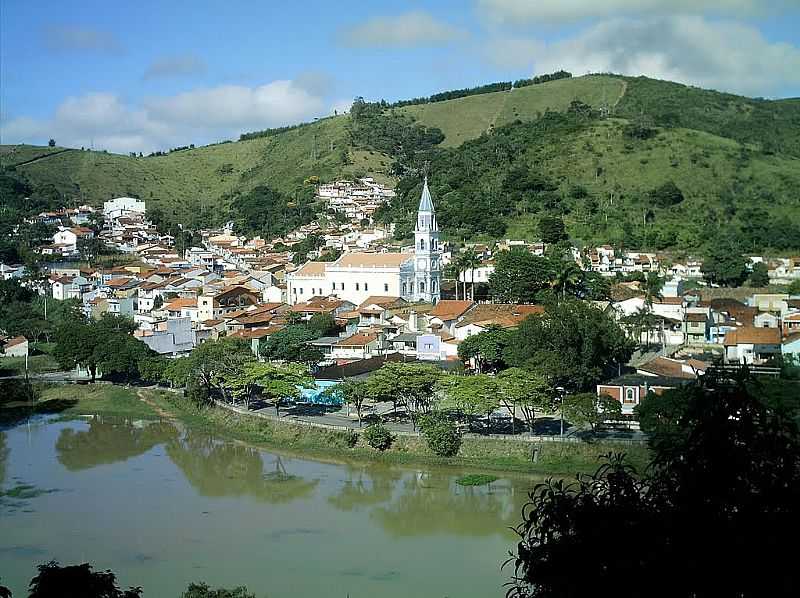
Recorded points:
(481, 89)
(272, 132)
(267, 212)
(180, 148)
(373, 126)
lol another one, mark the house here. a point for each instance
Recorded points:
(14, 347)
(696, 324)
(9, 271)
(123, 207)
(182, 307)
(485, 315)
(791, 346)
(171, 338)
(68, 238)
(666, 367)
(447, 313)
(437, 345)
(631, 389)
(230, 299)
(767, 320)
(357, 346)
(752, 345)
(791, 323)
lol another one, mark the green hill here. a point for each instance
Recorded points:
(507, 159)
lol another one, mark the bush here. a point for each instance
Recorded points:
(378, 436)
(351, 438)
(442, 435)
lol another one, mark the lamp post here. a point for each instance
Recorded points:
(560, 390)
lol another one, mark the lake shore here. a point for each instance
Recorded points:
(489, 454)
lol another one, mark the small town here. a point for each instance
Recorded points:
(385, 300)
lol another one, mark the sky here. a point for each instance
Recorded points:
(147, 75)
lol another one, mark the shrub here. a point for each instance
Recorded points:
(351, 438)
(442, 435)
(476, 479)
(378, 436)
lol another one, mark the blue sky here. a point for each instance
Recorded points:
(138, 76)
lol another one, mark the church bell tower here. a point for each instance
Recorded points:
(427, 253)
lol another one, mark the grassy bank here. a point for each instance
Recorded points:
(476, 453)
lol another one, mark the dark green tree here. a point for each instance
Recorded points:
(723, 263)
(552, 229)
(759, 275)
(77, 581)
(519, 276)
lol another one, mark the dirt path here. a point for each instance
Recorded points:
(44, 157)
(161, 412)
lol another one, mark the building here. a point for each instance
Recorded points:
(68, 238)
(631, 389)
(356, 276)
(752, 345)
(123, 206)
(14, 347)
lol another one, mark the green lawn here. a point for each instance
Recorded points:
(37, 364)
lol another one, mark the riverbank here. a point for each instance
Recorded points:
(480, 454)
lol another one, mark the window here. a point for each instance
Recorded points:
(366, 288)
(422, 287)
(422, 243)
(404, 288)
(357, 286)
(333, 286)
(301, 291)
(630, 395)
(411, 287)
(433, 286)
(385, 287)
(341, 286)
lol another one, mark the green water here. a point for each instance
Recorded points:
(164, 506)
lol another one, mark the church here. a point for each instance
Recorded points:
(355, 276)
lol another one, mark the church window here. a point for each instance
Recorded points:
(422, 287)
(333, 286)
(366, 286)
(356, 286)
(385, 287)
(433, 286)
(404, 288)
(422, 244)
(301, 290)
(411, 287)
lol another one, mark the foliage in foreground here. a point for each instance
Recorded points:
(710, 517)
(378, 436)
(441, 434)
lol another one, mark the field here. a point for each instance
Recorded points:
(466, 118)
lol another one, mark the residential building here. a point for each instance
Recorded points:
(14, 347)
(752, 345)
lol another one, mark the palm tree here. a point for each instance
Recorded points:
(470, 261)
(452, 272)
(566, 275)
(653, 284)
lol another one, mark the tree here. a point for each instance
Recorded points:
(203, 590)
(552, 230)
(408, 384)
(527, 391)
(354, 393)
(566, 276)
(93, 343)
(441, 434)
(51, 143)
(469, 261)
(667, 195)
(378, 436)
(55, 581)
(472, 395)
(323, 324)
(519, 276)
(291, 344)
(718, 504)
(275, 383)
(209, 365)
(723, 263)
(586, 409)
(485, 349)
(573, 344)
(759, 275)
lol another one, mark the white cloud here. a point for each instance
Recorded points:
(60, 38)
(175, 66)
(688, 49)
(549, 11)
(200, 116)
(516, 53)
(415, 28)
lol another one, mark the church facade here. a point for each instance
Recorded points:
(356, 276)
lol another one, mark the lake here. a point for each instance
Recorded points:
(162, 506)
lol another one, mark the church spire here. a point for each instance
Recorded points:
(425, 202)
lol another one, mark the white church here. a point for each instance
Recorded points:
(355, 276)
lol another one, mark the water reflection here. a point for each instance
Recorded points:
(416, 504)
(431, 503)
(365, 487)
(216, 469)
(4, 450)
(109, 440)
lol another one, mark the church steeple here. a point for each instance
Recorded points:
(427, 262)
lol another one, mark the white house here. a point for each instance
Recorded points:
(68, 237)
(14, 347)
(123, 206)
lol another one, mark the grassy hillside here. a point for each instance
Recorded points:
(467, 118)
(736, 160)
(205, 176)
